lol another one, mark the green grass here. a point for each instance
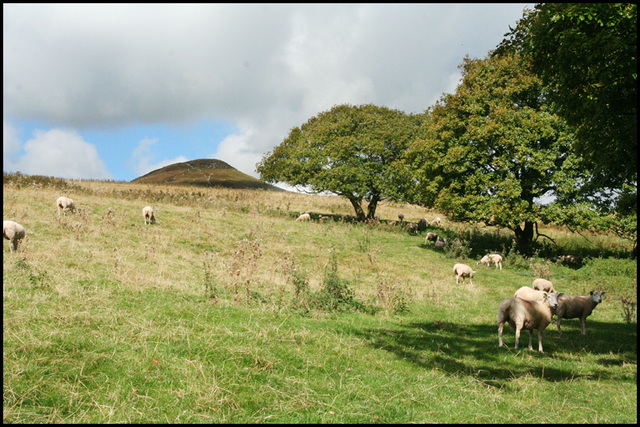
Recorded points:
(196, 319)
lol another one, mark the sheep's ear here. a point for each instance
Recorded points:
(591, 293)
(560, 294)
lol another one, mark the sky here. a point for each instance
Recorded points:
(114, 91)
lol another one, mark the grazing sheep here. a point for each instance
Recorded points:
(530, 294)
(422, 224)
(412, 228)
(304, 217)
(572, 307)
(522, 314)
(324, 218)
(431, 237)
(65, 204)
(462, 271)
(492, 258)
(401, 217)
(440, 243)
(543, 285)
(147, 213)
(436, 222)
(13, 232)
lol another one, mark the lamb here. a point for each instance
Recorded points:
(571, 307)
(147, 214)
(530, 294)
(304, 217)
(440, 243)
(543, 285)
(463, 270)
(65, 204)
(436, 222)
(492, 258)
(412, 228)
(522, 314)
(13, 232)
(431, 237)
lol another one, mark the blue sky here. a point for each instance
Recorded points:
(114, 91)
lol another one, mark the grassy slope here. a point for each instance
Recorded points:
(193, 320)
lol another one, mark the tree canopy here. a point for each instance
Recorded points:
(493, 151)
(352, 151)
(586, 55)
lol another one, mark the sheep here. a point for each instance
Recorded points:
(572, 307)
(440, 243)
(436, 222)
(13, 232)
(463, 270)
(491, 258)
(422, 224)
(543, 285)
(401, 217)
(412, 228)
(304, 217)
(431, 237)
(147, 214)
(522, 314)
(529, 294)
(65, 204)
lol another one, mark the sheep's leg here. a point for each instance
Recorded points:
(583, 325)
(530, 340)
(558, 324)
(517, 337)
(540, 341)
(500, 328)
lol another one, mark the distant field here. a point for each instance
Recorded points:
(227, 310)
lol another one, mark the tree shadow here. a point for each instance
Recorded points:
(472, 350)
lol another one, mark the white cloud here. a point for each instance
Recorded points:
(142, 156)
(57, 152)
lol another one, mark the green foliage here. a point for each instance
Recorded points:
(586, 55)
(352, 151)
(490, 150)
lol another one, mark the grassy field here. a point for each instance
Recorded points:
(228, 310)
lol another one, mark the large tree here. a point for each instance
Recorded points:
(493, 152)
(586, 55)
(352, 151)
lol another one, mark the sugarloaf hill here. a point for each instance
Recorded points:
(204, 173)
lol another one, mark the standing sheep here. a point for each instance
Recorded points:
(462, 271)
(522, 314)
(13, 232)
(491, 258)
(401, 217)
(530, 294)
(148, 214)
(572, 307)
(304, 217)
(431, 237)
(543, 285)
(66, 204)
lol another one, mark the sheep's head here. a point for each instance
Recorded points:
(596, 296)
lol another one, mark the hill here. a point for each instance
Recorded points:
(204, 173)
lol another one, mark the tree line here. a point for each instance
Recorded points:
(541, 130)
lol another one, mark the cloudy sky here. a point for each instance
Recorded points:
(116, 91)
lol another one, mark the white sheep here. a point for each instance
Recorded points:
(13, 232)
(436, 222)
(530, 294)
(431, 237)
(572, 307)
(148, 214)
(304, 217)
(522, 314)
(543, 285)
(66, 204)
(496, 259)
(440, 243)
(462, 271)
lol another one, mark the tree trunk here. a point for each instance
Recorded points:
(524, 238)
(371, 209)
(356, 202)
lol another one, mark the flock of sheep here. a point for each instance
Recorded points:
(14, 232)
(530, 308)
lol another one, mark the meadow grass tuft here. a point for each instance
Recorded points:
(229, 311)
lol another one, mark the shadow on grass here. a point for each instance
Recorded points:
(473, 350)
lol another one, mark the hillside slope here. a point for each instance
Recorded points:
(204, 173)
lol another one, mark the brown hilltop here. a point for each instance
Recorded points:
(204, 173)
